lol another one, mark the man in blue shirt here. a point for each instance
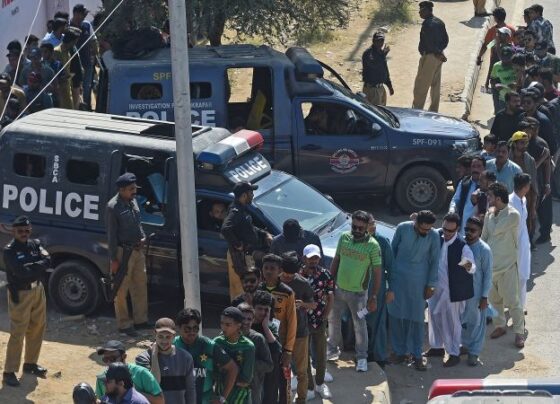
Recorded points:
(119, 388)
(503, 167)
(461, 202)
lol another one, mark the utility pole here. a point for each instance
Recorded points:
(185, 161)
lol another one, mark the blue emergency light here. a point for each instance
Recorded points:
(230, 148)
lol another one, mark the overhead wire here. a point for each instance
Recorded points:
(20, 59)
(72, 57)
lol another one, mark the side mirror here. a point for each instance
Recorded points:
(375, 129)
(330, 198)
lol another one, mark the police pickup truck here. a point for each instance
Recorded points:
(314, 128)
(59, 168)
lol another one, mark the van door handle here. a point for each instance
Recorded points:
(311, 147)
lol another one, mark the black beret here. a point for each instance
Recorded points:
(125, 180)
(234, 313)
(21, 221)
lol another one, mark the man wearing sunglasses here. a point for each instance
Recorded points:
(474, 317)
(144, 382)
(250, 282)
(26, 263)
(454, 288)
(357, 259)
(207, 356)
(414, 276)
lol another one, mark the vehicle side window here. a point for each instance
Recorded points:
(146, 91)
(82, 172)
(211, 214)
(29, 165)
(326, 118)
(201, 90)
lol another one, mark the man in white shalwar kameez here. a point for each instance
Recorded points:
(455, 287)
(521, 186)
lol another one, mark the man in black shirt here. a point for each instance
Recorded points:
(26, 263)
(529, 102)
(539, 150)
(433, 41)
(506, 121)
(293, 238)
(375, 72)
(244, 239)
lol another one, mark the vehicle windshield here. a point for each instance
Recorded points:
(295, 200)
(382, 113)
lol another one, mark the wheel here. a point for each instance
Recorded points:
(74, 287)
(421, 188)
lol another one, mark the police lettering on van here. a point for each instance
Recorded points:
(57, 203)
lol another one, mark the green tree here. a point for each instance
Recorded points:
(272, 20)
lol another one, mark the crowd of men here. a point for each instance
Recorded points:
(44, 73)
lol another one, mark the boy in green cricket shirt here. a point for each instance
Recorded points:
(207, 357)
(242, 351)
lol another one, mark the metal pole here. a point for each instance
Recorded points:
(185, 161)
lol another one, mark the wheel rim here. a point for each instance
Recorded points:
(421, 192)
(73, 290)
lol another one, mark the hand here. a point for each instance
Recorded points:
(386, 49)
(299, 303)
(391, 91)
(372, 305)
(389, 296)
(467, 266)
(286, 359)
(483, 304)
(428, 292)
(114, 266)
(266, 321)
(268, 239)
(442, 58)
(248, 298)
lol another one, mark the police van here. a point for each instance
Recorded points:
(314, 128)
(59, 168)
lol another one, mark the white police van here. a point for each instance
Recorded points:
(59, 168)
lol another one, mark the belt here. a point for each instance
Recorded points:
(30, 286)
(375, 85)
(135, 246)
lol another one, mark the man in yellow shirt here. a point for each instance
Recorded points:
(501, 226)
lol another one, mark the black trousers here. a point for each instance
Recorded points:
(272, 378)
(544, 213)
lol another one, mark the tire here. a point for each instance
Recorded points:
(421, 188)
(74, 287)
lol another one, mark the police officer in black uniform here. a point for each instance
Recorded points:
(244, 239)
(26, 263)
(375, 72)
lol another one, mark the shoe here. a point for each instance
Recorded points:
(328, 377)
(472, 360)
(498, 332)
(361, 366)
(310, 395)
(10, 379)
(519, 340)
(333, 356)
(453, 360)
(420, 364)
(542, 239)
(34, 369)
(463, 351)
(144, 326)
(323, 391)
(434, 353)
(130, 331)
(294, 383)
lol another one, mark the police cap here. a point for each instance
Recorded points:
(21, 221)
(125, 180)
(241, 187)
(426, 4)
(378, 36)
